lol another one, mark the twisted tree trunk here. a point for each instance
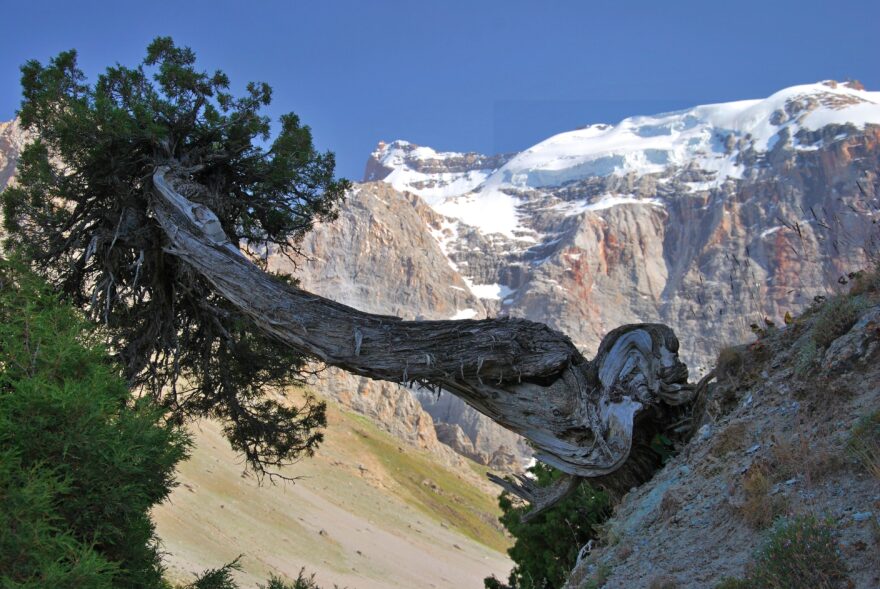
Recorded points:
(581, 416)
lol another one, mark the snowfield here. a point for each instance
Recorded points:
(710, 138)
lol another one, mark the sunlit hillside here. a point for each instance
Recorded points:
(365, 512)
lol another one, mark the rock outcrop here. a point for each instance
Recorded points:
(12, 140)
(781, 441)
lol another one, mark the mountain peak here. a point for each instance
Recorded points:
(711, 144)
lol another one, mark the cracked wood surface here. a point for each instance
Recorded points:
(578, 414)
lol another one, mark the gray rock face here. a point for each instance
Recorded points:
(483, 435)
(393, 408)
(409, 155)
(453, 436)
(380, 256)
(12, 140)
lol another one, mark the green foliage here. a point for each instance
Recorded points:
(81, 214)
(217, 578)
(82, 462)
(801, 552)
(663, 447)
(222, 579)
(546, 548)
(302, 581)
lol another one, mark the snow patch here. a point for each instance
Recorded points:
(770, 231)
(491, 292)
(489, 212)
(710, 136)
(464, 314)
(604, 202)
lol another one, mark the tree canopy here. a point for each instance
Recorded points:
(80, 212)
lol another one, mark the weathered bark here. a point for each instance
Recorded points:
(578, 414)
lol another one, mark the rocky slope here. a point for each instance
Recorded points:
(793, 429)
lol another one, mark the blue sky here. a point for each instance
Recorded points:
(483, 76)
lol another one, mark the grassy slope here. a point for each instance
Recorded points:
(366, 512)
(437, 492)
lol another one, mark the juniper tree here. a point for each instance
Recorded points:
(80, 212)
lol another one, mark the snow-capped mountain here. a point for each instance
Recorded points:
(708, 219)
(712, 144)
(676, 170)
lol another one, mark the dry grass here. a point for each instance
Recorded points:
(836, 317)
(606, 534)
(598, 578)
(821, 463)
(729, 364)
(405, 535)
(801, 552)
(789, 459)
(730, 439)
(866, 282)
(624, 552)
(670, 504)
(663, 582)
(786, 458)
(864, 445)
(760, 508)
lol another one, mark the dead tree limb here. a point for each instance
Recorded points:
(582, 416)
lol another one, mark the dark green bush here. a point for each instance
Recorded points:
(546, 548)
(82, 462)
(222, 579)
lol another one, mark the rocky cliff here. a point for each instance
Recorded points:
(379, 256)
(706, 219)
(12, 140)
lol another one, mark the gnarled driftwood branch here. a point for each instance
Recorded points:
(581, 416)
